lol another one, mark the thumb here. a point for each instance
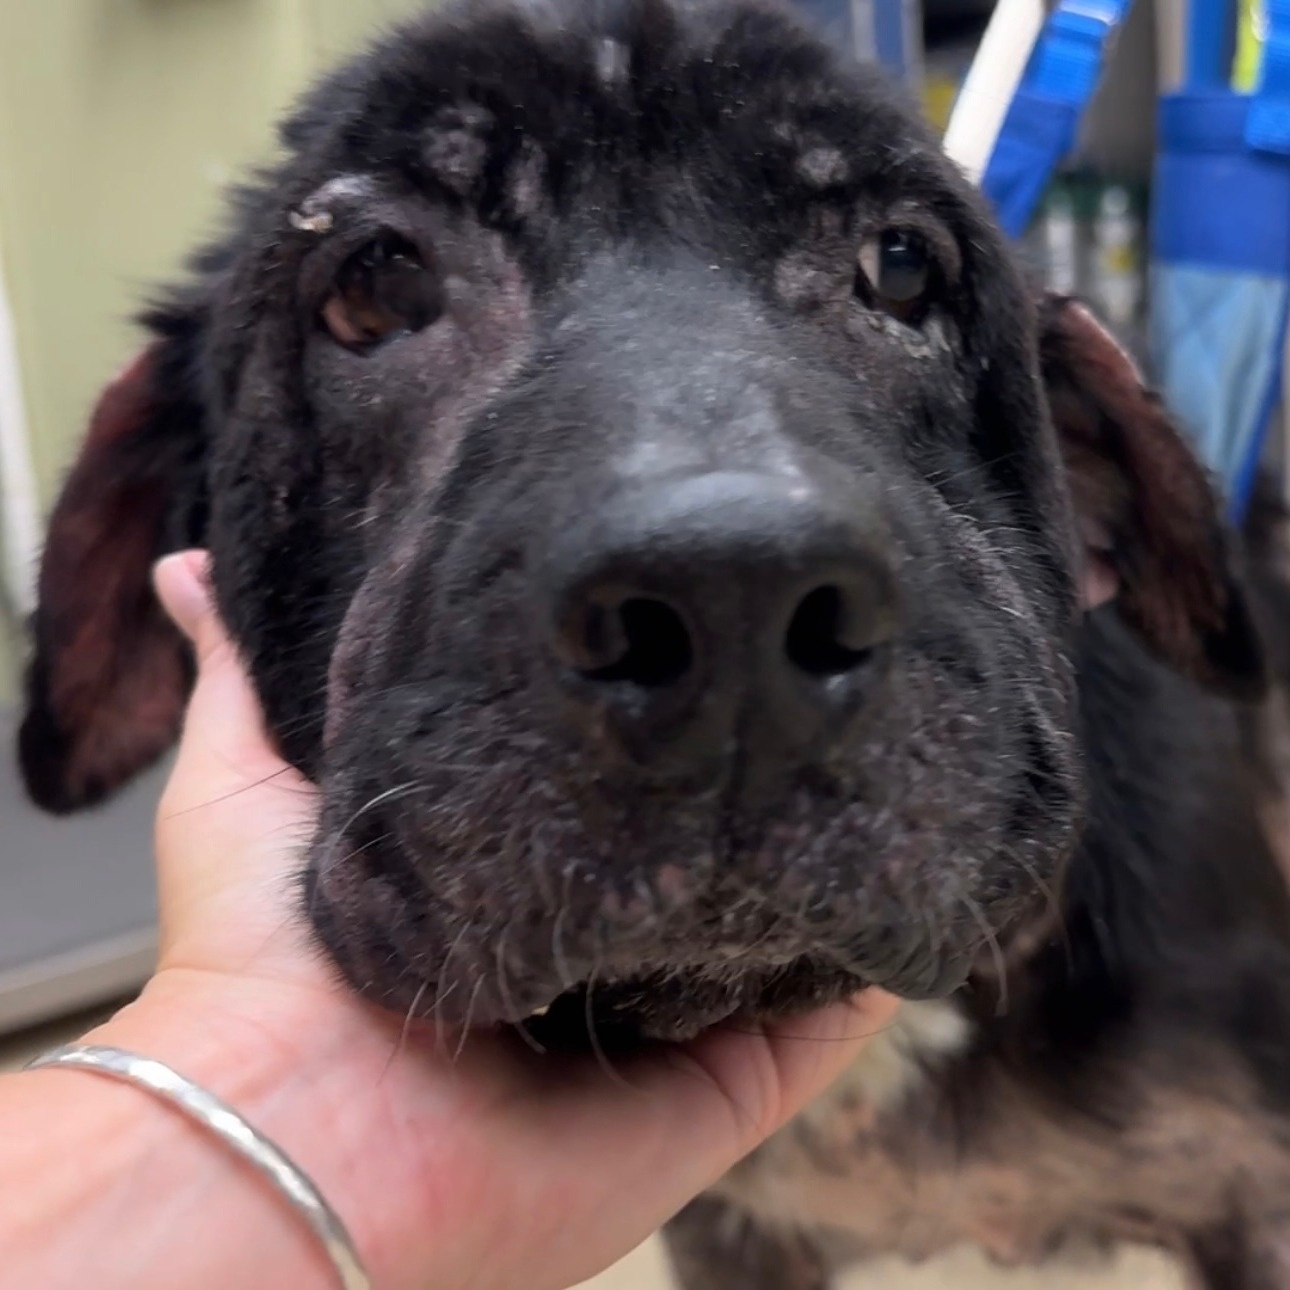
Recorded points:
(182, 581)
(233, 812)
(225, 747)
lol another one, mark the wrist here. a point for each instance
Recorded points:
(310, 1067)
(302, 1067)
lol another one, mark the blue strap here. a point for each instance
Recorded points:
(1267, 128)
(1207, 56)
(1040, 127)
(1066, 64)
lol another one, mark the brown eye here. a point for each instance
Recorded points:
(895, 272)
(383, 290)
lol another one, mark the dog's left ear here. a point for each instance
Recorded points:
(1153, 537)
(109, 674)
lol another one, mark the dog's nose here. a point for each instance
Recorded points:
(720, 614)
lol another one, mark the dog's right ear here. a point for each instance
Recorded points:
(109, 674)
(1154, 541)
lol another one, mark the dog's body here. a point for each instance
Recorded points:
(704, 585)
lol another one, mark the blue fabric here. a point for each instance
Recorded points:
(1217, 341)
(1044, 117)
(1217, 202)
(1221, 276)
(891, 37)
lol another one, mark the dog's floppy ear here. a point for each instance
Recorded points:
(1154, 541)
(108, 676)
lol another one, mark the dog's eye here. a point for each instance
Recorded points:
(385, 289)
(894, 272)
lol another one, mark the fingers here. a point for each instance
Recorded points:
(763, 1077)
(632, 1149)
(805, 1055)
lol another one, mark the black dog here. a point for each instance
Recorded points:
(655, 511)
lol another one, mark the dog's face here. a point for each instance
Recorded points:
(622, 443)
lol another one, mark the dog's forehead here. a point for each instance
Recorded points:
(565, 94)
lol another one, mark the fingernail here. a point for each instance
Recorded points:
(183, 587)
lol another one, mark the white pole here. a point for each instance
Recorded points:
(991, 84)
(19, 504)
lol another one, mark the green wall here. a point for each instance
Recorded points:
(120, 121)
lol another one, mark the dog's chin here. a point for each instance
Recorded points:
(624, 1005)
(682, 1005)
(614, 973)
(618, 1016)
(625, 1014)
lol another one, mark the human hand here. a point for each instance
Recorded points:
(493, 1167)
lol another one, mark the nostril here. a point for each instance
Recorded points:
(639, 640)
(820, 640)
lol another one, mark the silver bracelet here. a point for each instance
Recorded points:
(231, 1129)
